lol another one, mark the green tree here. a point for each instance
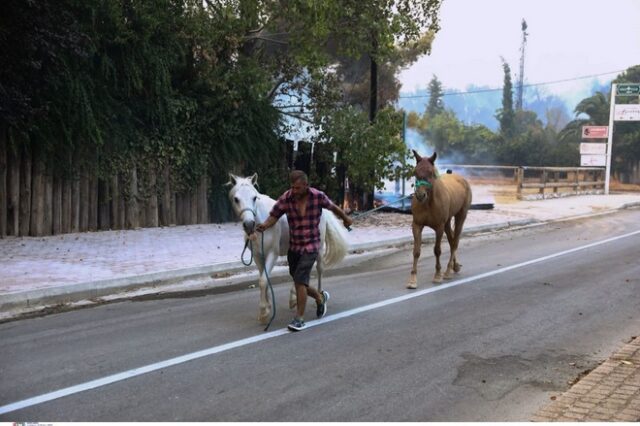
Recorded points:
(435, 105)
(506, 115)
(369, 151)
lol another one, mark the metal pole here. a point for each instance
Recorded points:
(404, 141)
(607, 172)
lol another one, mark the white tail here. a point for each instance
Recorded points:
(336, 245)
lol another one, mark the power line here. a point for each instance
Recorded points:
(525, 85)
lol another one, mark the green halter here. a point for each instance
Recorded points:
(421, 182)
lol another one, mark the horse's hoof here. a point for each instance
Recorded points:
(437, 280)
(412, 286)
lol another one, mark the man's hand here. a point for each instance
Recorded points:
(260, 228)
(347, 222)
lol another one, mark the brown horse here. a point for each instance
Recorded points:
(437, 199)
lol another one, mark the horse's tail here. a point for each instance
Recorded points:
(336, 245)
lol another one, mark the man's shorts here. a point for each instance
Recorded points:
(300, 265)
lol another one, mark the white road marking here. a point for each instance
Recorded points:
(266, 336)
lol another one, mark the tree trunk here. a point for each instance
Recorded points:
(115, 203)
(152, 203)
(174, 208)
(25, 191)
(93, 203)
(165, 211)
(3, 184)
(75, 204)
(104, 220)
(122, 204)
(193, 201)
(13, 192)
(48, 203)
(180, 209)
(37, 196)
(57, 206)
(132, 213)
(66, 224)
(84, 203)
(203, 216)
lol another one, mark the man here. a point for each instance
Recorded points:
(303, 206)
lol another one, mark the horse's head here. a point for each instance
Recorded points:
(425, 174)
(243, 196)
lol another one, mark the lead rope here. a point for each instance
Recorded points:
(368, 212)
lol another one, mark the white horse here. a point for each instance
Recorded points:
(252, 208)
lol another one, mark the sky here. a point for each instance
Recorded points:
(566, 39)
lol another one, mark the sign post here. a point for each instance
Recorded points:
(607, 173)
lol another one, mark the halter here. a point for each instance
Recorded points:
(421, 182)
(247, 209)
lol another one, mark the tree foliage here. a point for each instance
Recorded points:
(189, 86)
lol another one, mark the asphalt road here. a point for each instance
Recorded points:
(531, 310)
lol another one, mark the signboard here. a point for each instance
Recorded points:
(627, 112)
(593, 148)
(593, 160)
(595, 132)
(628, 89)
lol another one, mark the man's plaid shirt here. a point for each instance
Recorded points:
(304, 231)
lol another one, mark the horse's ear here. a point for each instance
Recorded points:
(254, 179)
(415, 154)
(432, 159)
(232, 180)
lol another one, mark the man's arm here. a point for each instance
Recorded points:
(342, 215)
(266, 224)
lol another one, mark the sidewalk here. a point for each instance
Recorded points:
(90, 267)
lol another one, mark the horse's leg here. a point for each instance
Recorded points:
(460, 218)
(452, 255)
(417, 245)
(264, 309)
(437, 277)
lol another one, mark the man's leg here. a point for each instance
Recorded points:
(301, 295)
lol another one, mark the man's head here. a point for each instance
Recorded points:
(299, 183)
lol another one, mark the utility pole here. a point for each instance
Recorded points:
(521, 77)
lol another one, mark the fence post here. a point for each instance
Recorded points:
(519, 174)
(543, 180)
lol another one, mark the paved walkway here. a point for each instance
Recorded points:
(610, 393)
(60, 269)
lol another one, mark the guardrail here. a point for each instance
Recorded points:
(538, 182)
(578, 179)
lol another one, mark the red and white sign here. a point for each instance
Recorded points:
(595, 132)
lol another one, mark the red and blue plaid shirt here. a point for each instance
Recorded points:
(304, 231)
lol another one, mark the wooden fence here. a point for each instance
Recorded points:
(34, 203)
(550, 182)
